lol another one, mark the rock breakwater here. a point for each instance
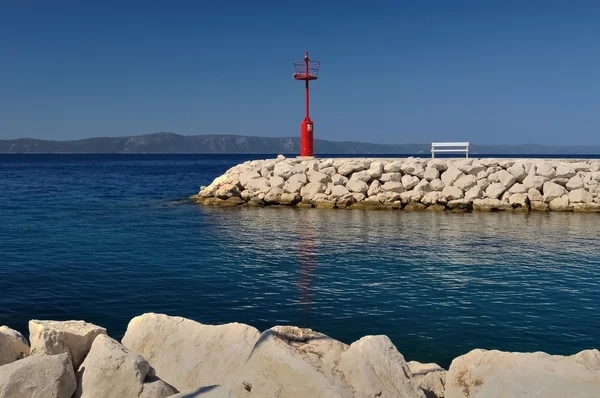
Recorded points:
(162, 356)
(411, 184)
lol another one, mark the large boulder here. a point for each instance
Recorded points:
(518, 171)
(311, 189)
(289, 362)
(560, 204)
(376, 169)
(434, 198)
(489, 204)
(361, 176)
(338, 179)
(409, 181)
(452, 193)
(40, 376)
(449, 176)
(535, 182)
(545, 170)
(482, 373)
(339, 191)
(393, 167)
(413, 169)
(318, 177)
(580, 196)
(553, 191)
(437, 184)
(187, 354)
(393, 186)
(506, 179)
(13, 345)
(352, 166)
(574, 183)
(474, 193)
(430, 377)
(466, 182)
(386, 177)
(564, 171)
(55, 337)
(495, 190)
(357, 186)
(111, 370)
(431, 174)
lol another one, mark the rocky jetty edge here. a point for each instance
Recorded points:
(410, 184)
(165, 356)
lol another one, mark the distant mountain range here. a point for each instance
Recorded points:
(237, 144)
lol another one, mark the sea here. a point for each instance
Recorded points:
(104, 238)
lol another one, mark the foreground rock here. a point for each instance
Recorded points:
(13, 345)
(488, 374)
(289, 362)
(411, 184)
(430, 377)
(187, 354)
(111, 370)
(72, 337)
(44, 376)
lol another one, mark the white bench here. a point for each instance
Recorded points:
(449, 147)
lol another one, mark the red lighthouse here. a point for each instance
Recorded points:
(306, 70)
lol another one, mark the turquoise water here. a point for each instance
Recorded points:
(106, 238)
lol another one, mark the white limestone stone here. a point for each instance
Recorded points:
(433, 198)
(423, 187)
(552, 191)
(330, 171)
(495, 190)
(534, 195)
(518, 188)
(452, 193)
(111, 370)
(506, 179)
(393, 167)
(38, 376)
(489, 204)
(357, 186)
(385, 177)
(483, 183)
(437, 184)
(312, 188)
(276, 182)
(338, 179)
(545, 170)
(574, 183)
(486, 374)
(517, 171)
(430, 377)
(474, 193)
(438, 164)
(564, 171)
(560, 204)
(376, 169)
(409, 181)
(339, 191)
(580, 196)
(352, 166)
(413, 169)
(431, 174)
(449, 176)
(317, 176)
(13, 345)
(535, 182)
(374, 188)
(393, 186)
(54, 337)
(361, 176)
(518, 200)
(465, 182)
(411, 196)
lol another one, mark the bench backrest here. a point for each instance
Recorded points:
(458, 147)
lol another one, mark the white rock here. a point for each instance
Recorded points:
(330, 171)
(298, 363)
(357, 186)
(533, 181)
(433, 198)
(465, 182)
(388, 197)
(376, 169)
(493, 178)
(574, 183)
(518, 200)
(489, 204)
(430, 377)
(258, 184)
(534, 195)
(188, 354)
(517, 171)
(317, 176)
(506, 179)
(518, 188)
(274, 195)
(595, 167)
(385, 177)
(490, 162)
(560, 181)
(552, 191)
(280, 157)
(472, 167)
(452, 193)
(482, 373)
(560, 204)
(276, 182)
(409, 181)
(311, 189)
(437, 184)
(249, 176)
(393, 186)
(545, 170)
(505, 196)
(358, 197)
(564, 171)
(580, 196)
(423, 187)
(339, 179)
(474, 193)
(411, 196)
(352, 166)
(393, 167)
(431, 174)
(40, 376)
(361, 176)
(295, 183)
(301, 168)
(111, 370)
(483, 183)
(413, 169)
(374, 367)
(449, 176)
(374, 188)
(339, 191)
(437, 164)
(495, 190)
(506, 163)
(72, 337)
(325, 163)
(13, 345)
(581, 166)
(289, 198)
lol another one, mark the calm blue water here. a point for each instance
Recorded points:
(106, 238)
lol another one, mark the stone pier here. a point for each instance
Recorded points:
(411, 184)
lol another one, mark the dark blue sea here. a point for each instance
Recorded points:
(107, 237)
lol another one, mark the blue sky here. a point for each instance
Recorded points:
(490, 72)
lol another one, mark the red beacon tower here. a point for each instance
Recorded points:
(306, 70)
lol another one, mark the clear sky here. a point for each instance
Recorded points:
(491, 72)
